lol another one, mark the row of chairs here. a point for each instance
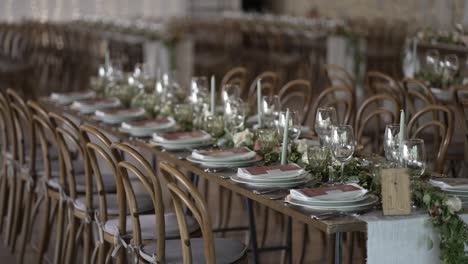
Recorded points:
(72, 176)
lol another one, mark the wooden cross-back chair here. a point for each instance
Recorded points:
(147, 228)
(377, 107)
(339, 97)
(297, 95)
(337, 75)
(9, 168)
(101, 203)
(416, 127)
(269, 81)
(237, 76)
(377, 83)
(27, 177)
(198, 250)
(416, 92)
(45, 132)
(459, 95)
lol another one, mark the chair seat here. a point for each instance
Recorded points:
(226, 251)
(145, 204)
(148, 226)
(108, 181)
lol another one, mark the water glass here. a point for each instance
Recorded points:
(433, 61)
(234, 115)
(214, 125)
(294, 125)
(413, 156)
(267, 140)
(392, 143)
(325, 118)
(318, 157)
(342, 144)
(271, 106)
(230, 91)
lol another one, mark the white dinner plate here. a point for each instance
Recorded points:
(283, 184)
(92, 105)
(182, 146)
(119, 118)
(370, 201)
(221, 164)
(331, 202)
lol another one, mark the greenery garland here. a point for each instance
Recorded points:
(442, 209)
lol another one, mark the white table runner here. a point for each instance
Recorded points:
(401, 239)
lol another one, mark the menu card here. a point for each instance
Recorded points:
(330, 193)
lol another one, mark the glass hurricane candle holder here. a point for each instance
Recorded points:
(267, 140)
(184, 116)
(214, 125)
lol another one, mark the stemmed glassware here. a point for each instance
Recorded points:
(294, 127)
(433, 61)
(234, 115)
(451, 66)
(326, 117)
(230, 91)
(391, 143)
(342, 144)
(413, 156)
(271, 107)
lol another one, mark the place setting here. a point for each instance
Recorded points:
(182, 140)
(89, 106)
(224, 158)
(453, 186)
(116, 116)
(147, 127)
(70, 97)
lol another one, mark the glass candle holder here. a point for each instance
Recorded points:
(184, 116)
(214, 125)
(267, 140)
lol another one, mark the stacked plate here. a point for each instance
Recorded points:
(119, 115)
(453, 186)
(281, 176)
(67, 98)
(346, 198)
(182, 140)
(92, 105)
(145, 128)
(220, 158)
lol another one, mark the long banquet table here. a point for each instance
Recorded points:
(330, 226)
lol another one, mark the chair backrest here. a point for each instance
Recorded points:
(238, 76)
(297, 95)
(341, 98)
(141, 168)
(22, 128)
(417, 95)
(416, 127)
(69, 143)
(45, 131)
(377, 82)
(96, 145)
(269, 82)
(460, 102)
(185, 195)
(383, 109)
(336, 75)
(8, 135)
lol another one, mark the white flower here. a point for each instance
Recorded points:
(454, 204)
(243, 138)
(302, 146)
(305, 158)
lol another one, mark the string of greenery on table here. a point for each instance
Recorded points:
(442, 209)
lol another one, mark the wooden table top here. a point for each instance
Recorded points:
(340, 224)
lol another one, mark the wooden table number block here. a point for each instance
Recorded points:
(396, 195)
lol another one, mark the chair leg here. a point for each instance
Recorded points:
(227, 215)
(45, 229)
(101, 259)
(59, 235)
(17, 214)
(3, 197)
(87, 248)
(265, 221)
(70, 249)
(11, 210)
(26, 224)
(253, 230)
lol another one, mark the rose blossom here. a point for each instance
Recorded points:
(454, 204)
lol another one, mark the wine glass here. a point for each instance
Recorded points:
(294, 125)
(451, 66)
(342, 144)
(326, 117)
(234, 115)
(271, 106)
(392, 143)
(230, 91)
(413, 156)
(433, 61)
(199, 84)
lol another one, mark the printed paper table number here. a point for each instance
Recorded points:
(396, 196)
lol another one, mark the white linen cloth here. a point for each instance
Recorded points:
(401, 239)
